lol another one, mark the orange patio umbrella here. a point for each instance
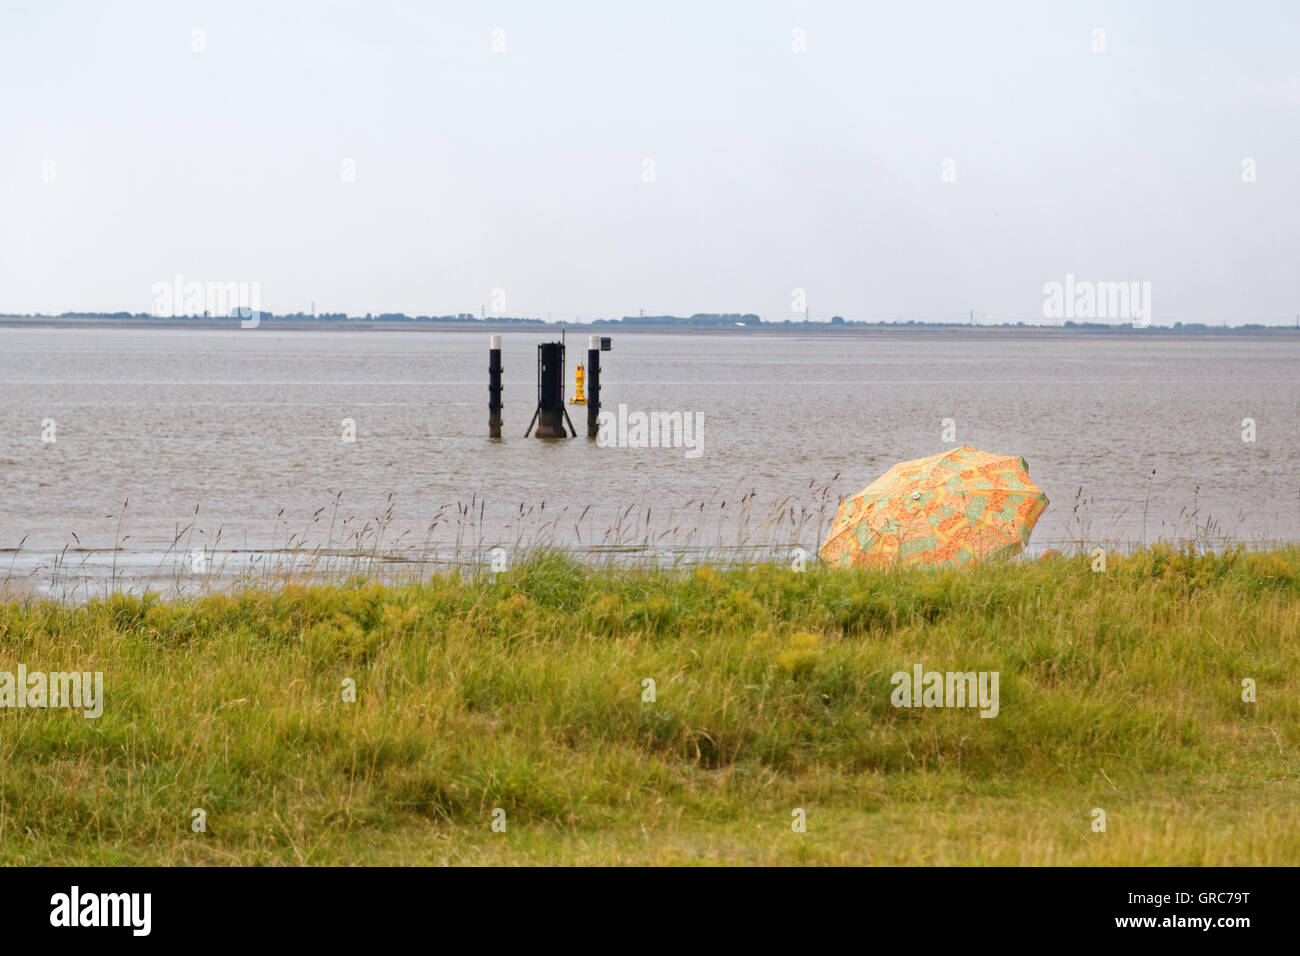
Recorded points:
(953, 508)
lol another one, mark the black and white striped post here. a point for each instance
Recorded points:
(494, 387)
(593, 384)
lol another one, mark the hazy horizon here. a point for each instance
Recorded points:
(872, 162)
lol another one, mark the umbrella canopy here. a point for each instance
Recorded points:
(953, 508)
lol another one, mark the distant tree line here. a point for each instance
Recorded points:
(698, 320)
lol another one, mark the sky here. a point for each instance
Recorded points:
(586, 159)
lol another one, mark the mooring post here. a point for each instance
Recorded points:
(551, 413)
(593, 384)
(494, 387)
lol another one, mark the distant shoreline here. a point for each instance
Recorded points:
(280, 323)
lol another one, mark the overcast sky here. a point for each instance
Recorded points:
(675, 157)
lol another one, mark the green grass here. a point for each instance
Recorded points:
(1119, 690)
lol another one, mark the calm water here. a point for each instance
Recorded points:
(245, 426)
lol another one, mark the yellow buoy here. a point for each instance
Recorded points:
(578, 398)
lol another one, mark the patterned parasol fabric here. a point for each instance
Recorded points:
(950, 509)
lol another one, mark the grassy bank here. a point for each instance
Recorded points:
(1119, 690)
